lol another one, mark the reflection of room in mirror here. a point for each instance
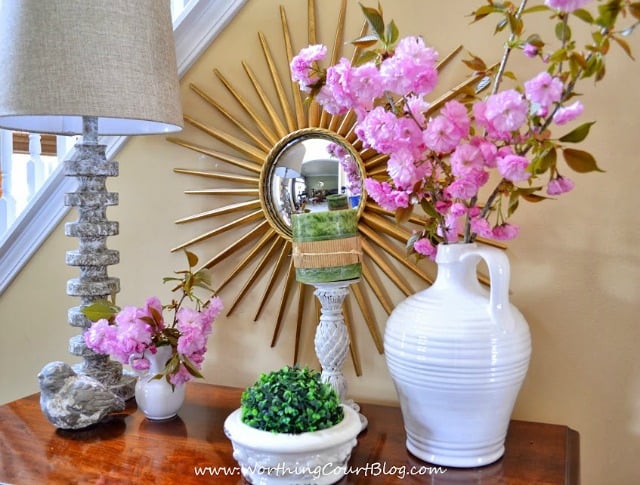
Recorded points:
(310, 169)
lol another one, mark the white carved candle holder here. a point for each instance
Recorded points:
(332, 338)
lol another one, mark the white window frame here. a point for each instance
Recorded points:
(194, 30)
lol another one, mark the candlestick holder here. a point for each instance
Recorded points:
(332, 338)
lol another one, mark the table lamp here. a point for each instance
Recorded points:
(89, 67)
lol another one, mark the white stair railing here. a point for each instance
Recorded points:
(34, 165)
(7, 200)
(25, 173)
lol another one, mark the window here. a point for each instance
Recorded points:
(40, 183)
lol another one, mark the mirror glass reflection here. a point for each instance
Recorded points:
(309, 170)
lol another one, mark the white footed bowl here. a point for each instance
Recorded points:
(318, 457)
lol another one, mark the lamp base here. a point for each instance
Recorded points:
(106, 371)
(103, 379)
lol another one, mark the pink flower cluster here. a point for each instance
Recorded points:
(411, 69)
(444, 160)
(349, 167)
(567, 6)
(303, 65)
(136, 331)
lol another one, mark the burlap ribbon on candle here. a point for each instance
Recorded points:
(327, 254)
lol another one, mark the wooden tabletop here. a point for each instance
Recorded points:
(130, 449)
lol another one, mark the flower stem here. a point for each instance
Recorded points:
(468, 237)
(507, 52)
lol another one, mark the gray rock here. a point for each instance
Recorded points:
(72, 401)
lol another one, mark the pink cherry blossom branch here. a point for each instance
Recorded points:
(507, 51)
(468, 237)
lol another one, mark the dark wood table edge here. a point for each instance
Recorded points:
(570, 445)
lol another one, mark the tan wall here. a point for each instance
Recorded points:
(575, 267)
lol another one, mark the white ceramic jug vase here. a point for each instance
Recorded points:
(458, 354)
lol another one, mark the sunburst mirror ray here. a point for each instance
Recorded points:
(260, 134)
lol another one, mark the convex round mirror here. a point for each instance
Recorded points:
(303, 171)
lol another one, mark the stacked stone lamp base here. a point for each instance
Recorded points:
(89, 165)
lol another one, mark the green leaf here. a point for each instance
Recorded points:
(428, 208)
(535, 40)
(597, 37)
(516, 24)
(483, 11)
(545, 161)
(188, 283)
(563, 32)
(574, 68)
(513, 203)
(608, 13)
(172, 365)
(100, 309)
(594, 64)
(375, 20)
(527, 190)
(392, 33)
(202, 279)
(536, 8)
(166, 279)
(579, 59)
(367, 56)
(578, 134)
(584, 15)
(558, 56)
(580, 161)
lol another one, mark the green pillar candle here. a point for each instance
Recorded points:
(326, 246)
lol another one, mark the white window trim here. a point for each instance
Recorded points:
(194, 30)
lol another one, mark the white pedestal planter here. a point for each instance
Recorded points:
(318, 457)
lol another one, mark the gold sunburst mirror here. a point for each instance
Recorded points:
(280, 163)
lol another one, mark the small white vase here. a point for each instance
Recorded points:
(318, 457)
(458, 354)
(155, 397)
